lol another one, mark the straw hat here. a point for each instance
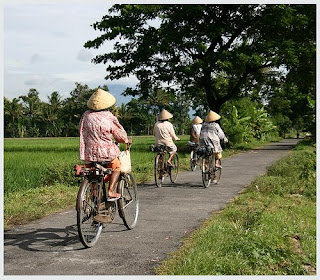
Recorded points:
(101, 100)
(212, 116)
(197, 120)
(164, 115)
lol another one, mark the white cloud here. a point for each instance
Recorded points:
(35, 58)
(43, 46)
(85, 55)
(84, 76)
(34, 80)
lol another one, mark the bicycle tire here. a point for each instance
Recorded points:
(174, 170)
(128, 204)
(217, 174)
(89, 230)
(205, 171)
(193, 160)
(158, 170)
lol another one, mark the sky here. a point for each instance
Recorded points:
(43, 49)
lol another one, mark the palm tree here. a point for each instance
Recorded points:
(13, 113)
(50, 115)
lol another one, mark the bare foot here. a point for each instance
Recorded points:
(113, 195)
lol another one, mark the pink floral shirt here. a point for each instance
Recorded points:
(97, 129)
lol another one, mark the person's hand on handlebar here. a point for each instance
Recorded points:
(129, 141)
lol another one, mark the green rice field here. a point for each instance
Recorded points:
(31, 163)
(39, 173)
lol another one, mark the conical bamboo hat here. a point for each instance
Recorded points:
(197, 120)
(212, 116)
(101, 100)
(164, 115)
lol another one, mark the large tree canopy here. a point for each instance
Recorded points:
(211, 52)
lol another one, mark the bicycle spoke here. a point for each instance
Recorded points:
(89, 230)
(173, 171)
(127, 204)
(158, 170)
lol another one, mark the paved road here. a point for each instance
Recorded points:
(50, 246)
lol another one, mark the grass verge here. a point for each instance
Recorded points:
(23, 207)
(269, 229)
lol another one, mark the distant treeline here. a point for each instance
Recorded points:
(242, 119)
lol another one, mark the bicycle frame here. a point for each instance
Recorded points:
(193, 155)
(95, 172)
(93, 207)
(209, 169)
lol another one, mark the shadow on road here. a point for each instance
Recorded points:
(46, 239)
(50, 239)
(170, 185)
(277, 146)
(182, 185)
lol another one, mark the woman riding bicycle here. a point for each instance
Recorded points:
(211, 134)
(164, 133)
(195, 130)
(98, 126)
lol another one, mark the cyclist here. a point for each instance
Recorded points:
(211, 135)
(164, 133)
(195, 130)
(98, 126)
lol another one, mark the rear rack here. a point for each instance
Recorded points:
(97, 169)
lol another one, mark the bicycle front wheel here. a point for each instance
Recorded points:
(158, 170)
(173, 171)
(88, 229)
(205, 167)
(128, 203)
(217, 173)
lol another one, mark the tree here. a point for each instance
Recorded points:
(219, 50)
(31, 108)
(13, 118)
(139, 122)
(75, 106)
(51, 115)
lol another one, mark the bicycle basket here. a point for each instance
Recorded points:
(201, 151)
(192, 144)
(209, 150)
(159, 148)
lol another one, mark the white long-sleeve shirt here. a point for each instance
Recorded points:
(164, 133)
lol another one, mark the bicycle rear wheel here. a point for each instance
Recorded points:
(158, 170)
(193, 160)
(128, 204)
(88, 229)
(206, 167)
(173, 171)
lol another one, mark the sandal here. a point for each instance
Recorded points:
(114, 198)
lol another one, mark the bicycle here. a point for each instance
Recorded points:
(93, 209)
(209, 170)
(161, 167)
(193, 155)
